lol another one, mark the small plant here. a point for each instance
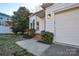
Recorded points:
(47, 37)
(31, 32)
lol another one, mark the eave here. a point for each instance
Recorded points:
(40, 14)
(45, 5)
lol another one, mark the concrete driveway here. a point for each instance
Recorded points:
(61, 50)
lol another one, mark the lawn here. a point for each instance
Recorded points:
(8, 46)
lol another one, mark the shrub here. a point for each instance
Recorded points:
(47, 37)
(31, 32)
(14, 30)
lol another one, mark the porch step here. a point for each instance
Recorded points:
(37, 37)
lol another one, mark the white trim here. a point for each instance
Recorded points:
(54, 28)
(66, 7)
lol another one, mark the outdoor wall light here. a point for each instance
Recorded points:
(49, 16)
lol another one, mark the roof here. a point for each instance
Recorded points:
(5, 14)
(38, 13)
(45, 5)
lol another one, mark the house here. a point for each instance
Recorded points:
(62, 19)
(63, 22)
(5, 23)
(37, 21)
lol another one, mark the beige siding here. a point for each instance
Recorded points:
(41, 24)
(49, 22)
(51, 10)
(37, 19)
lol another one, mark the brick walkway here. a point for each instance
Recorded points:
(37, 37)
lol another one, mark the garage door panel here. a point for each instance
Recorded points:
(67, 27)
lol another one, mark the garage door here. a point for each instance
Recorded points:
(67, 27)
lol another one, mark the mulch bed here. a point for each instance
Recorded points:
(43, 42)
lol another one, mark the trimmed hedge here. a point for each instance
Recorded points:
(47, 37)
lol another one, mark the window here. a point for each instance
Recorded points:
(1, 18)
(0, 22)
(33, 24)
(37, 26)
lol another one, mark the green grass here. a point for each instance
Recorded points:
(8, 46)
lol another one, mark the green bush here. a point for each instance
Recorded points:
(31, 32)
(14, 30)
(47, 37)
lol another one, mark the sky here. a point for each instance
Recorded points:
(9, 8)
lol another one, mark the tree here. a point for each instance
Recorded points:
(20, 20)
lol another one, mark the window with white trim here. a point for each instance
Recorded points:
(37, 26)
